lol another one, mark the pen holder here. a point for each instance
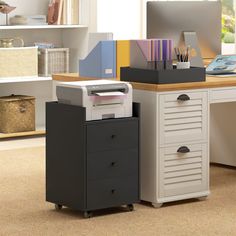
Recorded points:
(183, 65)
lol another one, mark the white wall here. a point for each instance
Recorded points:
(125, 18)
(122, 17)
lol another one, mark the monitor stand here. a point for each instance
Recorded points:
(190, 39)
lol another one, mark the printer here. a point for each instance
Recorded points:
(103, 99)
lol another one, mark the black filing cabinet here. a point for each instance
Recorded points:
(91, 165)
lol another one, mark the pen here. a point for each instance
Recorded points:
(177, 54)
(182, 54)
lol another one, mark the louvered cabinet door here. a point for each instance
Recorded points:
(183, 169)
(183, 117)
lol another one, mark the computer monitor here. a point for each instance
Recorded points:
(170, 19)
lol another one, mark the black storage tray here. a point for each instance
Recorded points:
(193, 74)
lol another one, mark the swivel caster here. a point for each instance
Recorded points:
(203, 198)
(157, 205)
(88, 214)
(130, 207)
(58, 207)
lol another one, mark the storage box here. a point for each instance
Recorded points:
(17, 114)
(53, 60)
(18, 61)
(194, 74)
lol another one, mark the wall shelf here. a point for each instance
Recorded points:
(73, 37)
(25, 27)
(39, 131)
(23, 79)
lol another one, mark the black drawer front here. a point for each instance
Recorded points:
(112, 164)
(110, 193)
(113, 134)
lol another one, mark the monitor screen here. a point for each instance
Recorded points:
(170, 19)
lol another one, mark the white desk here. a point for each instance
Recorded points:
(202, 123)
(207, 123)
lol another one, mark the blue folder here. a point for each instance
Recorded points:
(101, 61)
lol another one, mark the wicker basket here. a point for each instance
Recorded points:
(53, 60)
(17, 114)
(18, 61)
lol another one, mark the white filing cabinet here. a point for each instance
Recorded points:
(174, 145)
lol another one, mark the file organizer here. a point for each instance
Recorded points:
(101, 61)
(95, 38)
(151, 54)
(123, 55)
(140, 54)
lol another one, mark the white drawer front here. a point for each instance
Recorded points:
(182, 173)
(222, 95)
(183, 120)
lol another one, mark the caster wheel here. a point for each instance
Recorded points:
(130, 207)
(203, 198)
(87, 214)
(58, 207)
(157, 205)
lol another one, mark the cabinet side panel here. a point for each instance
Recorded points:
(65, 155)
(222, 133)
(148, 141)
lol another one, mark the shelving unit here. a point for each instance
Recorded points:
(17, 27)
(39, 131)
(41, 88)
(23, 79)
(74, 37)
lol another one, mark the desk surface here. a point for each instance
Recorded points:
(211, 82)
(69, 77)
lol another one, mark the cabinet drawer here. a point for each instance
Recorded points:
(109, 193)
(112, 134)
(112, 164)
(183, 169)
(183, 117)
(222, 95)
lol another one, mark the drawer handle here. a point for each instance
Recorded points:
(183, 149)
(183, 97)
(113, 136)
(113, 191)
(113, 163)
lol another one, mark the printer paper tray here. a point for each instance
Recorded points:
(109, 94)
(106, 104)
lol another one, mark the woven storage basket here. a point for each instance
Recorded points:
(18, 61)
(53, 60)
(17, 114)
